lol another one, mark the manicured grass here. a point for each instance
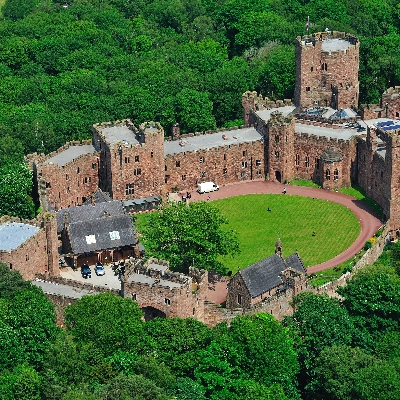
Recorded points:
(358, 192)
(303, 182)
(294, 219)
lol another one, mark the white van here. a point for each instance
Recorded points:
(207, 187)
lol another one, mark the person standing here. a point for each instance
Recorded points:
(284, 190)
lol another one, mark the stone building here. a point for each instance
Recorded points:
(130, 159)
(327, 70)
(95, 232)
(30, 248)
(160, 292)
(265, 279)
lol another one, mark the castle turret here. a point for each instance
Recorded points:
(327, 70)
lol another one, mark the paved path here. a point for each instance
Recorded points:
(368, 221)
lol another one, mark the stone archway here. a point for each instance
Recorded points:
(278, 176)
(151, 313)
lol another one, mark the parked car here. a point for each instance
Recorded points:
(99, 269)
(86, 271)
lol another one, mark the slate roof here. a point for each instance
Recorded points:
(101, 233)
(263, 275)
(294, 261)
(89, 212)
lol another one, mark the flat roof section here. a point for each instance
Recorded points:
(70, 154)
(341, 133)
(335, 45)
(211, 140)
(13, 234)
(63, 290)
(119, 134)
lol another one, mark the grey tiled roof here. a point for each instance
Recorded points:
(263, 275)
(294, 261)
(101, 233)
(89, 212)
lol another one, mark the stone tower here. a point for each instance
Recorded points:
(391, 206)
(327, 70)
(280, 131)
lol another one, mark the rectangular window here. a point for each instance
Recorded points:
(201, 160)
(136, 158)
(48, 185)
(66, 177)
(184, 177)
(297, 159)
(224, 157)
(225, 171)
(239, 299)
(127, 160)
(308, 89)
(167, 301)
(307, 161)
(94, 165)
(152, 154)
(134, 296)
(258, 163)
(165, 168)
(203, 174)
(137, 171)
(244, 164)
(129, 188)
(177, 163)
(245, 153)
(166, 179)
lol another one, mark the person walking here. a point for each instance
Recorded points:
(284, 190)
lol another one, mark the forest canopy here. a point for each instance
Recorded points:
(65, 66)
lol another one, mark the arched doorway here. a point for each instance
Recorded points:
(151, 313)
(278, 176)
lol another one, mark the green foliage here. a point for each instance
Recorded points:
(133, 387)
(189, 235)
(188, 389)
(11, 282)
(181, 353)
(343, 372)
(304, 182)
(254, 348)
(372, 298)
(158, 373)
(106, 320)
(16, 187)
(320, 322)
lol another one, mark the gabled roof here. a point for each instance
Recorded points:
(106, 232)
(331, 155)
(263, 275)
(89, 212)
(294, 261)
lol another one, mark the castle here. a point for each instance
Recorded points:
(323, 136)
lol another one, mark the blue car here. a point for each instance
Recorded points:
(85, 271)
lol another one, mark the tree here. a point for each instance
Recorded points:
(342, 372)
(256, 349)
(10, 150)
(16, 187)
(108, 321)
(189, 235)
(372, 298)
(181, 353)
(11, 282)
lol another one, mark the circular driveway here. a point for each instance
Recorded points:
(368, 221)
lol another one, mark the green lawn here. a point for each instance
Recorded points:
(295, 218)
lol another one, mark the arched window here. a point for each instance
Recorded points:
(328, 175)
(324, 67)
(297, 159)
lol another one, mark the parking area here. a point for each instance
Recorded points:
(108, 279)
